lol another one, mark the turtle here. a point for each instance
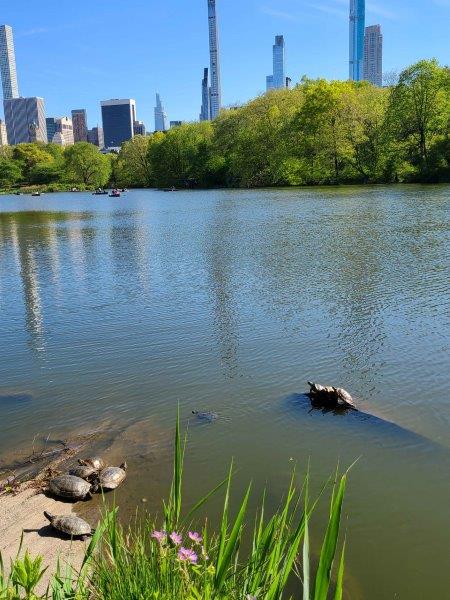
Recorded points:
(111, 477)
(329, 395)
(207, 416)
(95, 462)
(70, 525)
(70, 486)
(84, 471)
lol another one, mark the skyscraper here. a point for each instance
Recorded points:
(8, 63)
(64, 132)
(118, 118)
(373, 55)
(3, 134)
(356, 47)
(25, 120)
(95, 137)
(139, 128)
(279, 75)
(216, 92)
(79, 121)
(205, 112)
(52, 128)
(160, 115)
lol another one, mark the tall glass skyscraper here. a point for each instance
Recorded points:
(118, 117)
(205, 111)
(278, 79)
(25, 120)
(357, 30)
(216, 92)
(160, 116)
(8, 63)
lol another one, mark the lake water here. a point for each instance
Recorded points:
(117, 310)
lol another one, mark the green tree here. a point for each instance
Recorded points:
(419, 111)
(83, 163)
(10, 172)
(133, 166)
(29, 155)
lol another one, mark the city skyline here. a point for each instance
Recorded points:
(43, 72)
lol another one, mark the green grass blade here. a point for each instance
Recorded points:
(306, 595)
(338, 593)
(205, 499)
(328, 551)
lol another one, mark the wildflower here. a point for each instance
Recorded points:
(187, 555)
(159, 535)
(195, 537)
(176, 538)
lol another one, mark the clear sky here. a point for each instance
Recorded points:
(75, 54)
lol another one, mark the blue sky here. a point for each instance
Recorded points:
(75, 54)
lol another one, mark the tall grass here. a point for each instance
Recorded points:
(171, 562)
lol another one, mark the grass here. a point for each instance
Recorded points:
(168, 561)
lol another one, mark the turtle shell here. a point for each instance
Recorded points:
(69, 486)
(83, 471)
(71, 525)
(95, 462)
(111, 477)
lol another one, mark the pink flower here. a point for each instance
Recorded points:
(195, 537)
(176, 538)
(159, 535)
(187, 555)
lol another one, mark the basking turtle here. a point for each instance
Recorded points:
(95, 462)
(207, 417)
(330, 396)
(70, 525)
(111, 477)
(84, 471)
(70, 486)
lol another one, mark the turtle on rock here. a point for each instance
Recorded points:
(111, 477)
(84, 471)
(330, 396)
(71, 487)
(70, 525)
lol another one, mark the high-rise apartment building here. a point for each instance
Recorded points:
(214, 55)
(3, 134)
(64, 132)
(160, 115)
(139, 128)
(356, 42)
(278, 79)
(205, 111)
(25, 120)
(373, 55)
(79, 122)
(118, 118)
(8, 63)
(95, 137)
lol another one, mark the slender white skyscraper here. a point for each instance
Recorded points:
(8, 63)
(160, 116)
(205, 112)
(216, 92)
(373, 55)
(356, 46)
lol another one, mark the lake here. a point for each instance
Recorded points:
(114, 311)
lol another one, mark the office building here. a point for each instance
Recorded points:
(3, 134)
(205, 111)
(118, 117)
(373, 55)
(64, 132)
(277, 80)
(139, 128)
(79, 122)
(95, 137)
(214, 54)
(356, 42)
(160, 115)
(25, 120)
(8, 63)
(51, 128)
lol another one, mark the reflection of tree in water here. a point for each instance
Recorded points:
(219, 251)
(35, 241)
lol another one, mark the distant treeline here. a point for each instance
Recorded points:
(321, 132)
